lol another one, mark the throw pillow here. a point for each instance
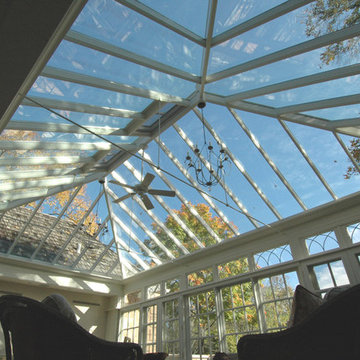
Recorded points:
(59, 303)
(330, 294)
(304, 303)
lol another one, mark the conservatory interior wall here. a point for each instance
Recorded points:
(185, 308)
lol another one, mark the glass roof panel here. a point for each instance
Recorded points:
(36, 114)
(289, 160)
(110, 21)
(291, 68)
(233, 12)
(328, 156)
(72, 57)
(67, 91)
(192, 16)
(248, 153)
(336, 113)
(268, 38)
(325, 90)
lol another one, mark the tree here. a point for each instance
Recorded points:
(354, 149)
(190, 220)
(326, 16)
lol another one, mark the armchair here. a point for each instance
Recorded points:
(35, 331)
(331, 332)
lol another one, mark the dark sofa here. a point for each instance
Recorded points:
(330, 332)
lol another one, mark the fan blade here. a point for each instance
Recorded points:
(148, 204)
(123, 197)
(161, 192)
(147, 180)
(121, 184)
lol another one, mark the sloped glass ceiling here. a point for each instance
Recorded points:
(118, 100)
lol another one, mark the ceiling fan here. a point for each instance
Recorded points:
(142, 189)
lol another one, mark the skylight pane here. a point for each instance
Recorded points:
(268, 38)
(288, 159)
(233, 12)
(254, 162)
(308, 63)
(329, 158)
(72, 57)
(190, 15)
(317, 92)
(66, 91)
(336, 113)
(112, 22)
(37, 114)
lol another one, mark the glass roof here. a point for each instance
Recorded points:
(118, 100)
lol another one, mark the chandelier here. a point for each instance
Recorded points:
(208, 165)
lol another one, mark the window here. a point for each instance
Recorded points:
(153, 291)
(322, 242)
(330, 275)
(171, 329)
(232, 268)
(273, 256)
(130, 326)
(276, 298)
(240, 314)
(204, 338)
(133, 297)
(200, 277)
(172, 286)
(150, 321)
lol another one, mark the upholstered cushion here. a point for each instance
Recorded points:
(330, 294)
(155, 356)
(221, 356)
(304, 303)
(59, 303)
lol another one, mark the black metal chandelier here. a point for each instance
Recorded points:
(209, 166)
